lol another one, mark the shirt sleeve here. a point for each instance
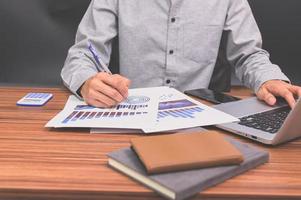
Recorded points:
(244, 47)
(99, 27)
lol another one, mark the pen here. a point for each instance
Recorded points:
(101, 66)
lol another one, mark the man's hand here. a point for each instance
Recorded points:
(105, 90)
(270, 89)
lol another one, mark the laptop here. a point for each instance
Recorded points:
(263, 123)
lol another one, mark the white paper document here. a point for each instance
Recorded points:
(178, 111)
(139, 108)
(148, 110)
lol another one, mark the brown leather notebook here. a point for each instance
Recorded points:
(168, 153)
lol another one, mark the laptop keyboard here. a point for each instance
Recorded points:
(269, 121)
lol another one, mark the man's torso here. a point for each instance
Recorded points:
(174, 43)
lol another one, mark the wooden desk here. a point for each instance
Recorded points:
(41, 163)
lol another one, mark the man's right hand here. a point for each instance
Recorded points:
(105, 90)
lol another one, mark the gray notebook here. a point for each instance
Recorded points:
(184, 184)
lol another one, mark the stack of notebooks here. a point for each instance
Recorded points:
(179, 166)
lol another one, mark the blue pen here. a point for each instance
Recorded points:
(101, 66)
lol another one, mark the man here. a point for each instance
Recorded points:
(173, 43)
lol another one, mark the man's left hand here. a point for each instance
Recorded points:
(277, 88)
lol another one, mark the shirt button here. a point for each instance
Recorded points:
(167, 81)
(171, 52)
(173, 20)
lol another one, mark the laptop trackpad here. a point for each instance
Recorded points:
(245, 107)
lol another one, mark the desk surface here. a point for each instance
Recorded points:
(41, 163)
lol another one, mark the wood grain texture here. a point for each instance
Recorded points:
(42, 163)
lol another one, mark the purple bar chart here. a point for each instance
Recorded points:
(178, 109)
(180, 113)
(88, 115)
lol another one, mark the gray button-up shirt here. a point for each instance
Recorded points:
(170, 42)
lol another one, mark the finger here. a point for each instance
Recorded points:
(127, 82)
(109, 91)
(296, 90)
(109, 102)
(265, 95)
(282, 90)
(125, 92)
(99, 84)
(117, 82)
(288, 96)
(93, 102)
(124, 84)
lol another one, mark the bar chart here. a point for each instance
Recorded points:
(180, 113)
(175, 104)
(130, 107)
(134, 106)
(178, 109)
(89, 115)
(83, 107)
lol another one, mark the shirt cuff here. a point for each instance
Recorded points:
(78, 80)
(268, 77)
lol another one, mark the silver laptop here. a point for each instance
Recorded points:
(263, 123)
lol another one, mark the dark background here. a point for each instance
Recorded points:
(35, 36)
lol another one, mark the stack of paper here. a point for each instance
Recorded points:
(148, 109)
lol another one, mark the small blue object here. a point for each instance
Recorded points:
(35, 99)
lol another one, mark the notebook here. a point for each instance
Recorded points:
(174, 152)
(183, 184)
